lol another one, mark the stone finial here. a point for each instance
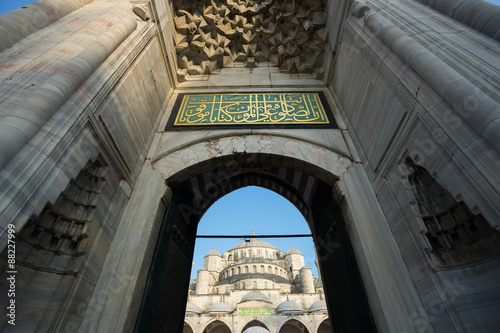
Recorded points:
(359, 9)
(141, 11)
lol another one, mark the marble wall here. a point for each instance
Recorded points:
(396, 109)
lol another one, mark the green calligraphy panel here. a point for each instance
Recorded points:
(251, 109)
(254, 312)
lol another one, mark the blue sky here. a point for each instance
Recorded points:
(237, 212)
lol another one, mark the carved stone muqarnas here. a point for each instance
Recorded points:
(221, 33)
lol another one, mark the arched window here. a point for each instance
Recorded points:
(243, 285)
(239, 270)
(230, 257)
(262, 269)
(265, 285)
(258, 253)
(254, 269)
(246, 269)
(269, 269)
(232, 271)
(276, 270)
(216, 290)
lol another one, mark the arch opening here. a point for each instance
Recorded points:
(254, 323)
(293, 326)
(217, 326)
(308, 187)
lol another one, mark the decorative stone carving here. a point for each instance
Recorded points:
(213, 34)
(62, 228)
(456, 235)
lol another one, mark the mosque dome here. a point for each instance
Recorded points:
(220, 307)
(256, 329)
(214, 252)
(254, 242)
(293, 251)
(289, 306)
(193, 308)
(255, 296)
(318, 306)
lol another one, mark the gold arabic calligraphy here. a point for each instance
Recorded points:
(231, 109)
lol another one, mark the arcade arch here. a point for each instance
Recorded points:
(325, 326)
(293, 326)
(254, 323)
(217, 326)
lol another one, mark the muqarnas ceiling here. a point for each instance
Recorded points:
(221, 33)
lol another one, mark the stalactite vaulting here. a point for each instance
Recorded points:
(212, 34)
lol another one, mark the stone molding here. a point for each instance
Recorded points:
(457, 91)
(25, 121)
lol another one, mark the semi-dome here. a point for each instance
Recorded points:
(193, 308)
(220, 307)
(289, 306)
(254, 242)
(318, 306)
(256, 329)
(255, 296)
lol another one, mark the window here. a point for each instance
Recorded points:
(239, 270)
(254, 269)
(243, 285)
(262, 269)
(246, 269)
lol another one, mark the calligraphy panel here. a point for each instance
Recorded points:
(251, 109)
(254, 312)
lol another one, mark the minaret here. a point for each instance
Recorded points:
(307, 280)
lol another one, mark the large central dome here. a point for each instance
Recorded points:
(254, 242)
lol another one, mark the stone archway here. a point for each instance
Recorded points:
(332, 192)
(325, 326)
(254, 323)
(217, 326)
(293, 326)
(187, 328)
(202, 179)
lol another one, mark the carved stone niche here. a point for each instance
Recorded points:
(455, 234)
(289, 34)
(55, 239)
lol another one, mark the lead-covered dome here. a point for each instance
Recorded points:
(289, 306)
(254, 242)
(292, 251)
(255, 296)
(214, 252)
(220, 307)
(193, 308)
(318, 306)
